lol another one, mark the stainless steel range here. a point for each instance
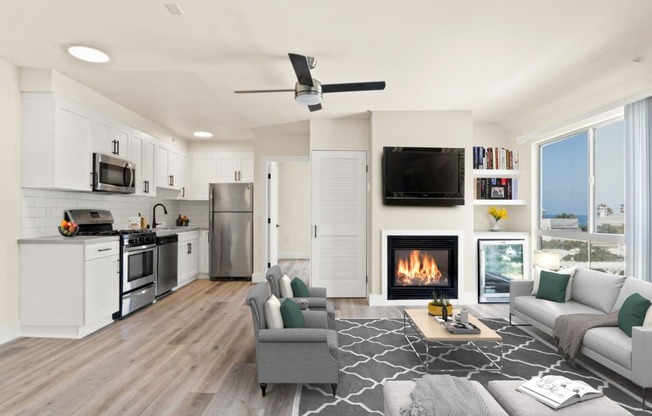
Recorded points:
(138, 259)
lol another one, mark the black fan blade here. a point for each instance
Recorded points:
(301, 68)
(315, 107)
(258, 91)
(353, 86)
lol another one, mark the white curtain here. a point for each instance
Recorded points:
(638, 189)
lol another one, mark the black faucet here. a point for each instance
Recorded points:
(154, 223)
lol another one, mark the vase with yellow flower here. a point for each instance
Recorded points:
(497, 214)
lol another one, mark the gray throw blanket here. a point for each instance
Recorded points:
(569, 330)
(445, 395)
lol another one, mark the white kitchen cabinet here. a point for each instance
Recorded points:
(204, 172)
(170, 167)
(187, 257)
(235, 167)
(71, 291)
(142, 154)
(56, 133)
(203, 252)
(110, 137)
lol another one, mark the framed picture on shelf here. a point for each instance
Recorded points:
(498, 192)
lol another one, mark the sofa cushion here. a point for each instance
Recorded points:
(545, 311)
(273, 317)
(299, 288)
(552, 286)
(596, 289)
(537, 277)
(630, 286)
(292, 316)
(610, 342)
(286, 287)
(633, 312)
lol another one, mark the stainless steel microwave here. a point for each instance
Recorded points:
(112, 174)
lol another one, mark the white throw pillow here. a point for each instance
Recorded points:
(286, 287)
(273, 317)
(537, 277)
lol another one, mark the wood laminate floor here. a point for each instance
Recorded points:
(191, 353)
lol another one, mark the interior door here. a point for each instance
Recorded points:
(272, 215)
(339, 222)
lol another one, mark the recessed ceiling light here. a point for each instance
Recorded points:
(88, 54)
(203, 134)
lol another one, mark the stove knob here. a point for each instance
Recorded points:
(131, 241)
(140, 240)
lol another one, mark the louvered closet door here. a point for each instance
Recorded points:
(339, 218)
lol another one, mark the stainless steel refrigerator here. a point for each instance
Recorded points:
(230, 226)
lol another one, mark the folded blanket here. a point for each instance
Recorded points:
(445, 395)
(569, 331)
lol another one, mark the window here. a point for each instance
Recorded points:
(582, 197)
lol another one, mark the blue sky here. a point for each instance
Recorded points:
(565, 172)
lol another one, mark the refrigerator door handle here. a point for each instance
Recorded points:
(315, 230)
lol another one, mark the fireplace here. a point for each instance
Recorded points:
(417, 265)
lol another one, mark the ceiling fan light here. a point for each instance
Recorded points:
(308, 98)
(88, 54)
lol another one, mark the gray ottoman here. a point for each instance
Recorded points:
(520, 404)
(396, 394)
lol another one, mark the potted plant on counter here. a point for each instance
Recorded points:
(438, 303)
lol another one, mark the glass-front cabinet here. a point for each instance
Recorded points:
(500, 259)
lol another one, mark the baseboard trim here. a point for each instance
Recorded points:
(9, 332)
(294, 255)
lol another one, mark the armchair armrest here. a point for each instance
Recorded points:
(315, 319)
(641, 357)
(293, 335)
(312, 302)
(317, 292)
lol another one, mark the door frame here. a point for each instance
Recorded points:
(268, 160)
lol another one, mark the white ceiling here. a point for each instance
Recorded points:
(488, 56)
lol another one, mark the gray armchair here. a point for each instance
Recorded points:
(293, 355)
(317, 300)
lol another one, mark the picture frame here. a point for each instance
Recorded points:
(498, 192)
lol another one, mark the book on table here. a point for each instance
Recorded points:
(455, 327)
(558, 391)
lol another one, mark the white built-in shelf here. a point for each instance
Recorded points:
(499, 202)
(495, 173)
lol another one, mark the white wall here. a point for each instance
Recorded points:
(425, 129)
(294, 210)
(10, 206)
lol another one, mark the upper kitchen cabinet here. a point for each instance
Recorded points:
(204, 171)
(170, 167)
(142, 152)
(235, 167)
(55, 137)
(111, 137)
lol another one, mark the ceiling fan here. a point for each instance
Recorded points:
(308, 91)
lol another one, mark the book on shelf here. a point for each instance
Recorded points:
(494, 158)
(558, 391)
(496, 188)
(455, 327)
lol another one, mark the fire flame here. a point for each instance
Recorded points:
(418, 270)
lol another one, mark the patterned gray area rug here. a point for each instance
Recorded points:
(373, 351)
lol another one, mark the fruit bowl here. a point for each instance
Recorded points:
(66, 233)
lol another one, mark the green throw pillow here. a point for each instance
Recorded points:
(292, 316)
(552, 286)
(299, 289)
(632, 313)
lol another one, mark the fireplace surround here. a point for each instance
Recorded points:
(419, 264)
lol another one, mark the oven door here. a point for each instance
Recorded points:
(138, 266)
(112, 174)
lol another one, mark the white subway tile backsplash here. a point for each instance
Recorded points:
(32, 212)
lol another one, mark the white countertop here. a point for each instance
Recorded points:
(78, 239)
(163, 231)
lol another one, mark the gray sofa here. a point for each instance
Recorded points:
(598, 293)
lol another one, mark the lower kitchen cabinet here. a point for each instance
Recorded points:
(188, 257)
(68, 290)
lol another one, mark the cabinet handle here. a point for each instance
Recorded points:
(189, 248)
(118, 145)
(144, 187)
(315, 231)
(172, 179)
(183, 192)
(235, 175)
(117, 266)
(240, 175)
(104, 249)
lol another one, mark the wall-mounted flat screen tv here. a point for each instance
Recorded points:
(427, 176)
